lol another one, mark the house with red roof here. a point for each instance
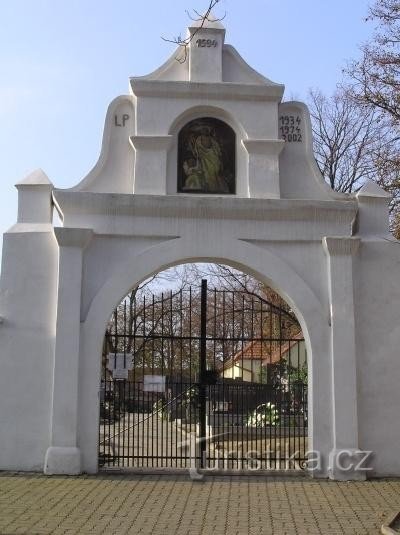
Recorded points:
(247, 363)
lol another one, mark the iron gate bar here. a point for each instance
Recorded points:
(203, 371)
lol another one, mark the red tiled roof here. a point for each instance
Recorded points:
(277, 354)
(258, 350)
(255, 350)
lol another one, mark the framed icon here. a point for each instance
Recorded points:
(206, 157)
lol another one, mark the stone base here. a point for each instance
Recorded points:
(65, 461)
(348, 465)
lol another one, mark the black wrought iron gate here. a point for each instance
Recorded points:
(203, 378)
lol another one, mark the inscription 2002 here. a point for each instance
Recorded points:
(290, 128)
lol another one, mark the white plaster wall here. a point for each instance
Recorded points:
(300, 177)
(377, 298)
(248, 119)
(113, 172)
(27, 304)
(258, 120)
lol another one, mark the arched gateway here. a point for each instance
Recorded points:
(210, 376)
(200, 162)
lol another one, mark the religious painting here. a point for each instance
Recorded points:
(206, 157)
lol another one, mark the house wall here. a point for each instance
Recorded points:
(296, 355)
(246, 369)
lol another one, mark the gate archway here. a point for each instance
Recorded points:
(203, 377)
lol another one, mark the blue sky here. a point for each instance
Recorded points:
(62, 62)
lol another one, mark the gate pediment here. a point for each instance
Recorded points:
(273, 154)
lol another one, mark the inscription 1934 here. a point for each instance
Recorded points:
(290, 128)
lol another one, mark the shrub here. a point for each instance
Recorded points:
(263, 415)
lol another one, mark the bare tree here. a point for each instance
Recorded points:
(347, 140)
(376, 76)
(240, 308)
(353, 143)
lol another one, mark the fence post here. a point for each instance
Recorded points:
(203, 371)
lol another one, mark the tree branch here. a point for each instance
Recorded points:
(184, 43)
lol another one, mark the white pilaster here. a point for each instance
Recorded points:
(151, 164)
(34, 199)
(345, 454)
(264, 167)
(205, 50)
(63, 455)
(373, 211)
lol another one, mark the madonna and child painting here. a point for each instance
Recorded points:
(206, 157)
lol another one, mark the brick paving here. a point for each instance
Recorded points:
(34, 504)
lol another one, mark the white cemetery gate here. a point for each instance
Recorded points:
(200, 162)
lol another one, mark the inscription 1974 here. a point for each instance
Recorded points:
(290, 128)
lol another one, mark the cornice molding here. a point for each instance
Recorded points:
(203, 207)
(73, 237)
(220, 91)
(338, 245)
(263, 146)
(151, 142)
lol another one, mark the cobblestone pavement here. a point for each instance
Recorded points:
(163, 505)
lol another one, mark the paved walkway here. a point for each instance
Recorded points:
(144, 440)
(164, 505)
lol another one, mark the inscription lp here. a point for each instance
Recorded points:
(290, 128)
(120, 120)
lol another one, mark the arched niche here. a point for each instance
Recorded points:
(227, 118)
(206, 157)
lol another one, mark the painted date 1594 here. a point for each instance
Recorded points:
(206, 42)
